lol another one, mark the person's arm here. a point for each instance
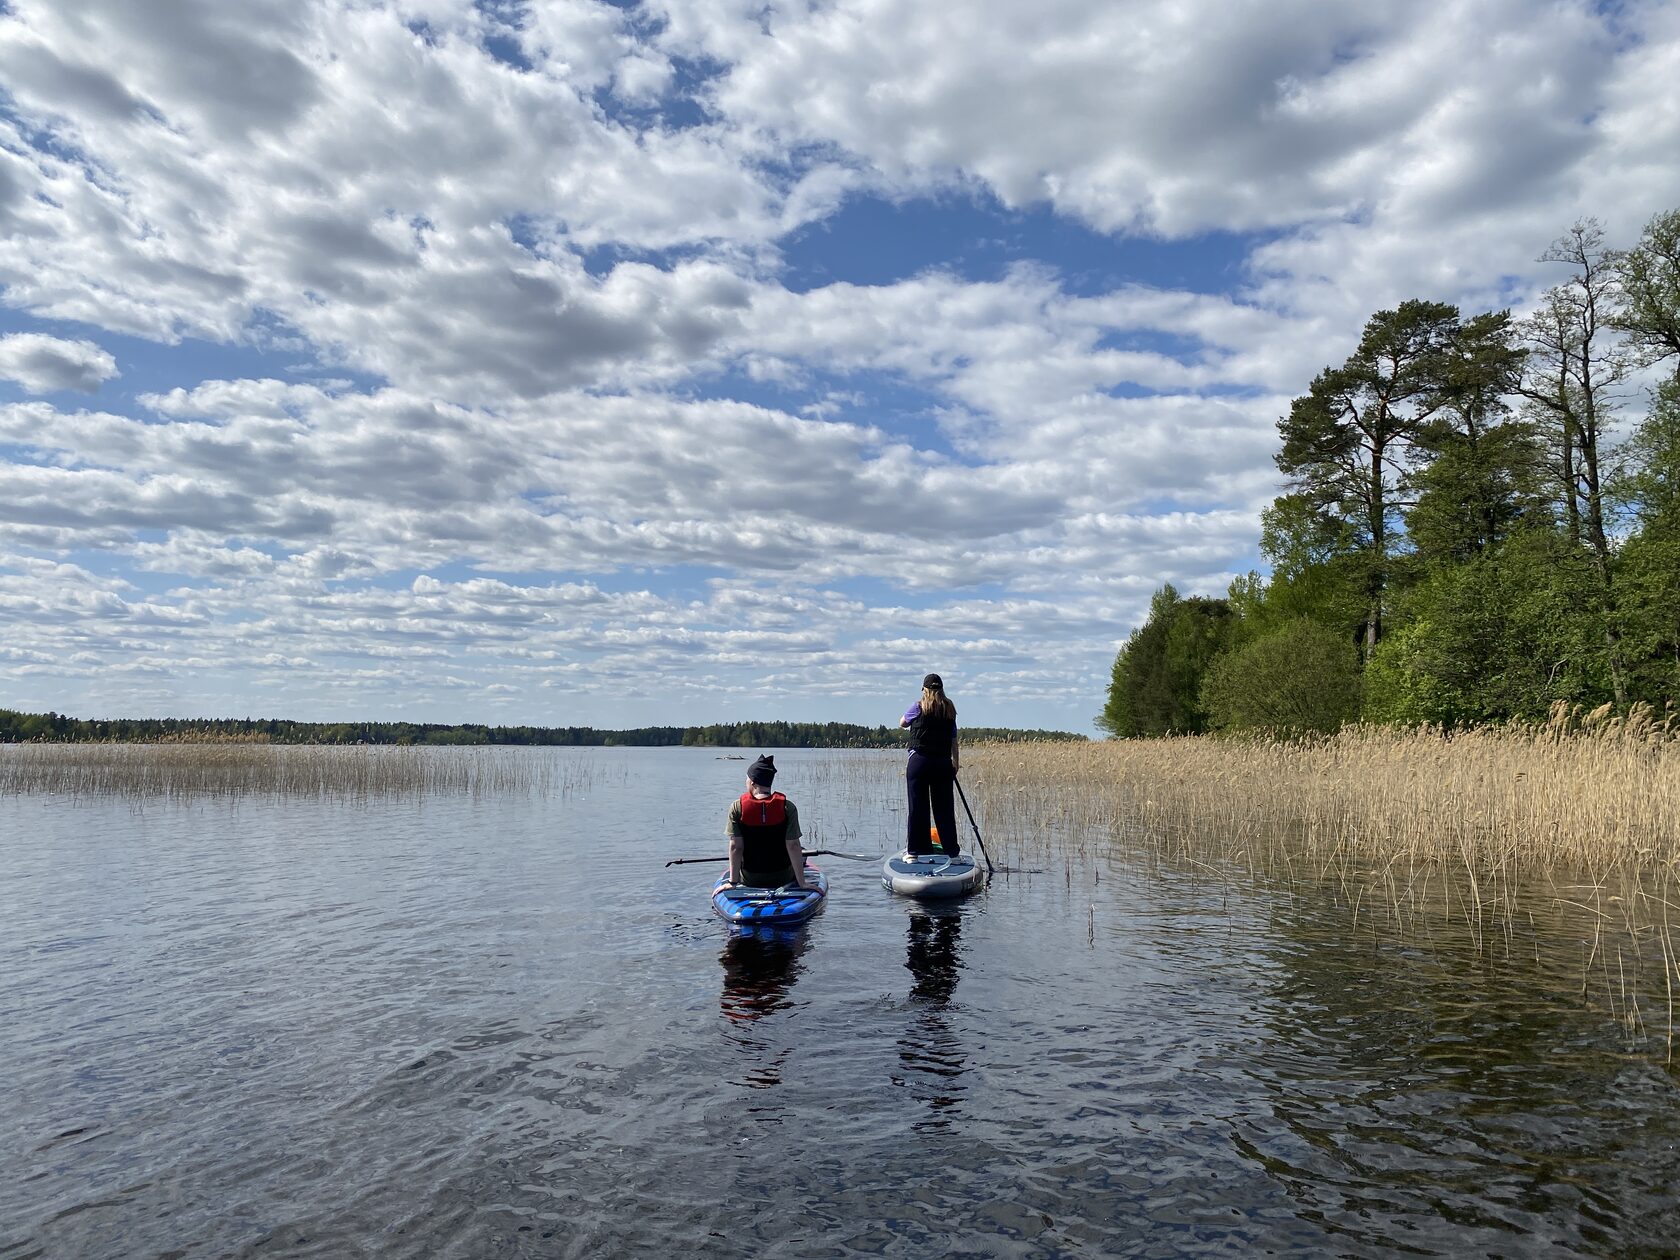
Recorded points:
(737, 844)
(796, 854)
(954, 757)
(910, 714)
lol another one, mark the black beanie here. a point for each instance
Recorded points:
(762, 771)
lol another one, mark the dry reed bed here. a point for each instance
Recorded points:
(1570, 830)
(1597, 799)
(182, 771)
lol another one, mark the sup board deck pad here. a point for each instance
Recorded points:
(931, 874)
(768, 906)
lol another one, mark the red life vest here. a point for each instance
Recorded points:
(763, 811)
(764, 824)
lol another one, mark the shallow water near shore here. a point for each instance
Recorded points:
(459, 1027)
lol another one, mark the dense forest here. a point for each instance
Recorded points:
(1480, 521)
(55, 727)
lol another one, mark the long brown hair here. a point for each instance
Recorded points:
(934, 700)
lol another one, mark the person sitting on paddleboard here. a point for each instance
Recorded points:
(764, 834)
(932, 771)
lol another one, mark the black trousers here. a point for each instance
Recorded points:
(931, 783)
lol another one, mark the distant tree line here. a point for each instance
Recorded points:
(843, 735)
(56, 727)
(1464, 538)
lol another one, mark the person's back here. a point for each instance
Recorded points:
(932, 731)
(930, 774)
(764, 833)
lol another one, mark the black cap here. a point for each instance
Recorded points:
(762, 771)
(933, 683)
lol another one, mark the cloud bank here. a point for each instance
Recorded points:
(580, 363)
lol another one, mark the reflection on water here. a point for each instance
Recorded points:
(759, 968)
(929, 1049)
(931, 954)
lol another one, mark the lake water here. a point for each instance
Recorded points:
(458, 1028)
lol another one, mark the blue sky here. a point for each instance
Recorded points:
(585, 363)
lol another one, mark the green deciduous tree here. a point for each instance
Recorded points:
(1647, 306)
(1646, 488)
(1318, 571)
(1299, 679)
(1155, 684)
(1647, 491)
(1574, 366)
(1649, 582)
(1502, 634)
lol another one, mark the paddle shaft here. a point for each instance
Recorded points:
(855, 857)
(990, 869)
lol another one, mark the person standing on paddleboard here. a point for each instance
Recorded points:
(932, 771)
(764, 834)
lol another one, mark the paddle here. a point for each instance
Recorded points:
(850, 857)
(810, 853)
(990, 869)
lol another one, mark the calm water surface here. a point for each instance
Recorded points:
(503, 1028)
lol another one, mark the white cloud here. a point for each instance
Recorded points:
(189, 554)
(1162, 116)
(42, 364)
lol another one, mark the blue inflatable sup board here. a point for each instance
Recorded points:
(770, 907)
